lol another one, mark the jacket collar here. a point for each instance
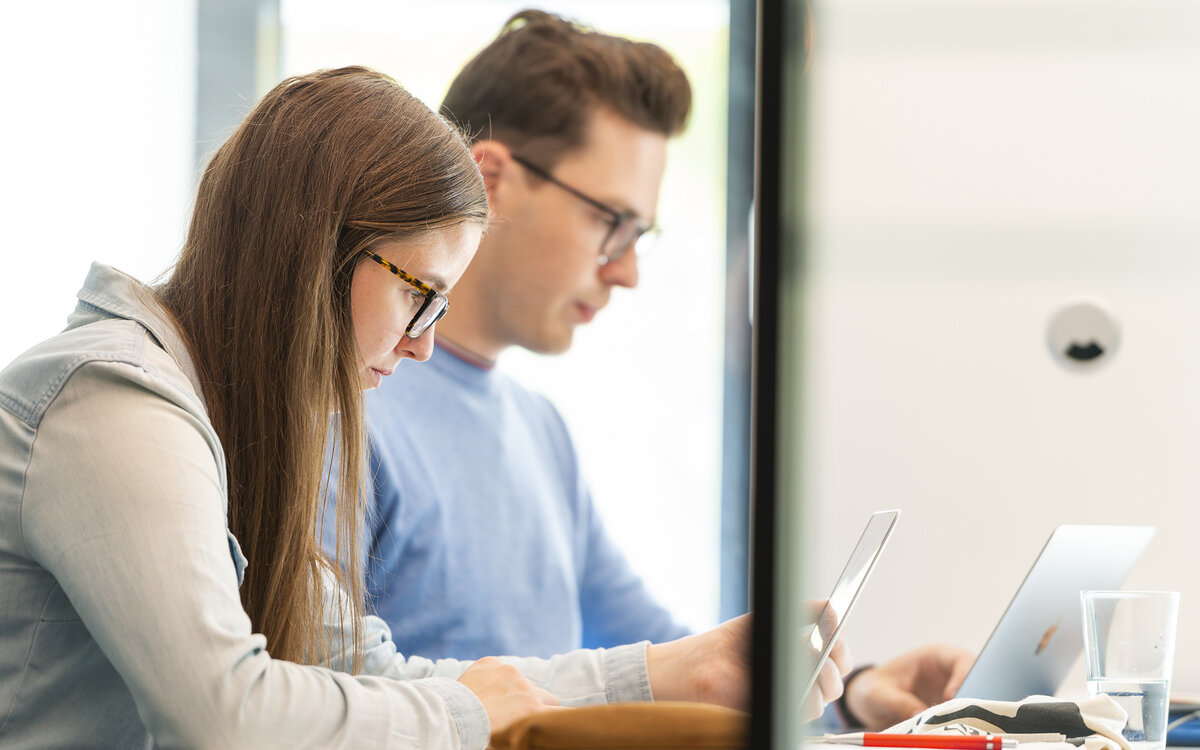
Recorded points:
(109, 293)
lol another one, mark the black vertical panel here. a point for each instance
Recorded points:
(735, 475)
(764, 377)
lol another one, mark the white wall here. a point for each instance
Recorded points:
(974, 166)
(97, 133)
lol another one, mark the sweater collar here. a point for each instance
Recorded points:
(458, 352)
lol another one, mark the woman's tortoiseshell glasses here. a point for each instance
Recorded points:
(433, 303)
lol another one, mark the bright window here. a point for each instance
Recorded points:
(641, 388)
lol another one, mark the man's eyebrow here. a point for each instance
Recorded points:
(625, 209)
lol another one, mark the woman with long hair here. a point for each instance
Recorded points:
(161, 464)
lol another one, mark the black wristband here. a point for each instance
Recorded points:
(843, 707)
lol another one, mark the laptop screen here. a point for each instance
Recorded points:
(1040, 637)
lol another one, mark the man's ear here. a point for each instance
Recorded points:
(495, 163)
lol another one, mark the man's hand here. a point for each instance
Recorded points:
(711, 667)
(828, 686)
(714, 667)
(888, 694)
(506, 694)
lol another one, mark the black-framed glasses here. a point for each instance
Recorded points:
(625, 230)
(433, 303)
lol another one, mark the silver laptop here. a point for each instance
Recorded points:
(1040, 635)
(817, 640)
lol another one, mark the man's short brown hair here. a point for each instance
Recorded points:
(536, 85)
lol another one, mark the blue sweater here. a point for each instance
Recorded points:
(481, 537)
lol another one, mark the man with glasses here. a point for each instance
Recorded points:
(481, 535)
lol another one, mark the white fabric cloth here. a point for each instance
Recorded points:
(1096, 721)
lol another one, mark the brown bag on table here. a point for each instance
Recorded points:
(629, 726)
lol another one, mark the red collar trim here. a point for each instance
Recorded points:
(458, 352)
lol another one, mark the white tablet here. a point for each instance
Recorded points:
(817, 640)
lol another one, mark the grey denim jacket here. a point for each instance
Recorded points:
(120, 621)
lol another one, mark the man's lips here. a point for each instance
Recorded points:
(587, 312)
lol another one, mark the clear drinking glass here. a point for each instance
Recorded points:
(1129, 644)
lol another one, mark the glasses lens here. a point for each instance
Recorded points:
(431, 314)
(645, 244)
(628, 233)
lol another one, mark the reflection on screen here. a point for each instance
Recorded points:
(818, 638)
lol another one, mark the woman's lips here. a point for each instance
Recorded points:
(377, 375)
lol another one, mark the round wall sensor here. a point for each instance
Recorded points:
(1083, 336)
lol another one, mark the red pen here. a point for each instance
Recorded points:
(936, 741)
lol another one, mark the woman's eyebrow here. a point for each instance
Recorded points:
(437, 282)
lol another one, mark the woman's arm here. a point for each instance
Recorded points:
(124, 506)
(577, 678)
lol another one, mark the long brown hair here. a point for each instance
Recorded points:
(323, 166)
(536, 85)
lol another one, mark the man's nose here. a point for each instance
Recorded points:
(621, 272)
